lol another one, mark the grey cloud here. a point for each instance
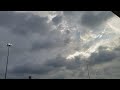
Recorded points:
(102, 56)
(60, 61)
(45, 45)
(71, 13)
(75, 64)
(34, 24)
(9, 18)
(45, 39)
(72, 17)
(57, 20)
(2, 53)
(41, 46)
(67, 31)
(68, 12)
(48, 66)
(37, 68)
(53, 40)
(54, 65)
(117, 49)
(67, 41)
(56, 62)
(92, 20)
(24, 23)
(31, 69)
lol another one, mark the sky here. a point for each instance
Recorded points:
(60, 44)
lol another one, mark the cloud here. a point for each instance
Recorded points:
(8, 19)
(23, 23)
(51, 65)
(54, 66)
(67, 40)
(31, 69)
(91, 19)
(47, 44)
(56, 62)
(2, 53)
(34, 24)
(67, 32)
(68, 12)
(103, 56)
(71, 13)
(57, 20)
(37, 52)
(52, 40)
(44, 45)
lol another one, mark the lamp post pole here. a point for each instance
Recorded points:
(8, 45)
(88, 71)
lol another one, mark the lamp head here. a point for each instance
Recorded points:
(9, 44)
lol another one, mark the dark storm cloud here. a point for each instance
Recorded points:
(9, 18)
(69, 13)
(60, 61)
(48, 66)
(54, 65)
(20, 54)
(67, 41)
(24, 23)
(57, 20)
(118, 48)
(2, 53)
(56, 62)
(103, 56)
(46, 44)
(67, 32)
(91, 20)
(31, 69)
(41, 46)
(34, 24)
(75, 64)
(53, 40)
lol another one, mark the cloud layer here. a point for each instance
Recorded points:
(43, 41)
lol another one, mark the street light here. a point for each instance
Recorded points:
(8, 45)
(88, 69)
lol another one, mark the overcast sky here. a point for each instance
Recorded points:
(59, 44)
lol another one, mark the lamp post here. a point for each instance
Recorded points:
(88, 71)
(8, 45)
